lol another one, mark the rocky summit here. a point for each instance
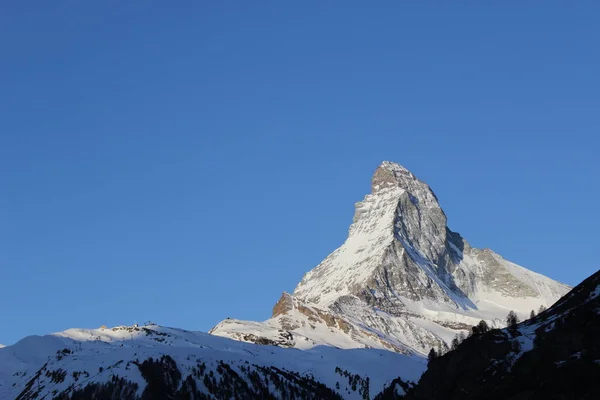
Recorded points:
(401, 281)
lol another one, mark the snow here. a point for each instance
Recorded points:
(574, 355)
(94, 348)
(361, 253)
(595, 293)
(526, 343)
(548, 290)
(391, 252)
(309, 333)
(399, 390)
(456, 249)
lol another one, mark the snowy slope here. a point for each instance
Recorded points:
(402, 280)
(73, 359)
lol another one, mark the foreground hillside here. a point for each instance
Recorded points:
(154, 362)
(555, 355)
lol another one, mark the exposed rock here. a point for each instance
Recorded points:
(284, 305)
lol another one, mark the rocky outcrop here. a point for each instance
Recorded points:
(285, 304)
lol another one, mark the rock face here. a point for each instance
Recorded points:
(402, 280)
(555, 355)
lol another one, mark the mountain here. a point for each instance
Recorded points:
(401, 281)
(154, 362)
(555, 355)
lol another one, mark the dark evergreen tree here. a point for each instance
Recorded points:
(432, 354)
(454, 344)
(481, 328)
(532, 314)
(512, 319)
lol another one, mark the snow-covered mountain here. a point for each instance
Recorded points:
(154, 362)
(402, 280)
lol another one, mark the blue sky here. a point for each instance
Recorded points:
(189, 163)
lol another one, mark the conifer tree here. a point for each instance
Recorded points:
(542, 309)
(454, 344)
(482, 327)
(432, 354)
(512, 319)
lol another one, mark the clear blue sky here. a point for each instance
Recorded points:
(188, 163)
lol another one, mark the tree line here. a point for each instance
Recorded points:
(482, 327)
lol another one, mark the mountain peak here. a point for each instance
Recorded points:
(390, 174)
(401, 280)
(392, 166)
